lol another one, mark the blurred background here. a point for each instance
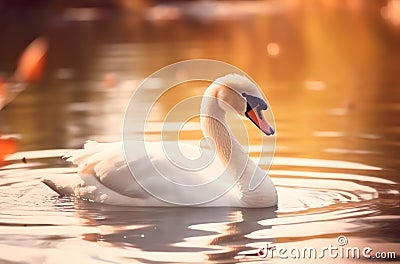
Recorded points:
(313, 59)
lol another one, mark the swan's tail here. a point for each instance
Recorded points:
(66, 184)
(80, 155)
(63, 184)
(93, 160)
(88, 187)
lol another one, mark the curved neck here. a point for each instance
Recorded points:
(239, 166)
(214, 126)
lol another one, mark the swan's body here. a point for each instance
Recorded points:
(104, 174)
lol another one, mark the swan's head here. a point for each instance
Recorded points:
(238, 94)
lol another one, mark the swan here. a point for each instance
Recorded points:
(104, 174)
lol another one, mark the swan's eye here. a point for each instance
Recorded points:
(254, 102)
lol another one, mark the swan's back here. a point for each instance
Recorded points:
(104, 176)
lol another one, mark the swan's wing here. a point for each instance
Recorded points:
(104, 176)
(101, 169)
(151, 169)
(106, 161)
(89, 156)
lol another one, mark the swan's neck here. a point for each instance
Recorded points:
(214, 126)
(235, 159)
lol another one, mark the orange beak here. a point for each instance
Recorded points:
(253, 111)
(259, 120)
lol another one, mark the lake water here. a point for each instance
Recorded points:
(330, 71)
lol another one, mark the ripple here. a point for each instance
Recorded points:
(39, 154)
(339, 134)
(309, 229)
(322, 163)
(329, 175)
(315, 224)
(311, 204)
(317, 216)
(349, 151)
(328, 134)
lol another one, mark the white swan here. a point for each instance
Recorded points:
(103, 174)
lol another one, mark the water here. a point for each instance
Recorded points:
(334, 88)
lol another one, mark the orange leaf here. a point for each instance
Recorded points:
(2, 88)
(7, 146)
(32, 61)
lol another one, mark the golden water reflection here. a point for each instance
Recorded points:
(328, 68)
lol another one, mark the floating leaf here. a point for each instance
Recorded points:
(7, 147)
(32, 61)
(3, 93)
(30, 68)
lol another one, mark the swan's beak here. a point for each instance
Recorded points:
(260, 121)
(253, 111)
